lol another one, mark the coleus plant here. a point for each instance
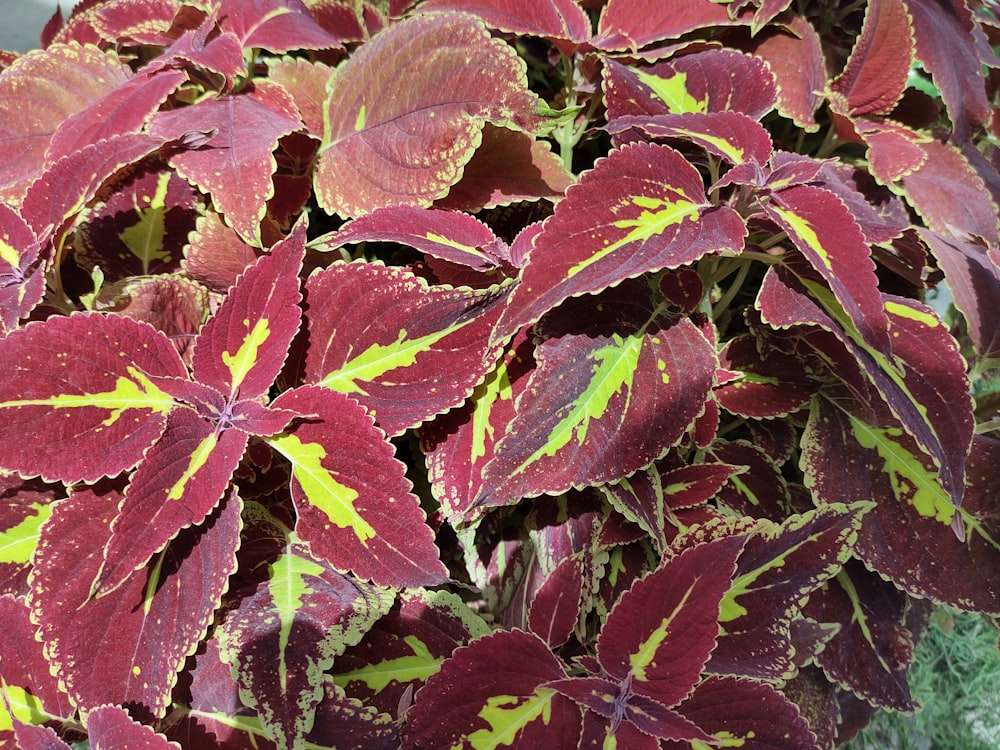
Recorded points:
(492, 373)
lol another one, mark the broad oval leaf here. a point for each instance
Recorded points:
(276, 25)
(794, 55)
(714, 80)
(406, 350)
(353, 500)
(110, 727)
(39, 92)
(641, 209)
(491, 694)
(633, 24)
(236, 163)
(93, 413)
(129, 646)
(449, 78)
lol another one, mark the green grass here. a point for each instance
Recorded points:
(956, 676)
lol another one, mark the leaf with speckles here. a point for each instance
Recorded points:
(560, 20)
(353, 501)
(641, 209)
(284, 634)
(129, 646)
(37, 94)
(90, 415)
(405, 350)
(110, 728)
(236, 163)
(449, 78)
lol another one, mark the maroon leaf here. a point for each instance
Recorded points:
(602, 403)
(216, 255)
(449, 235)
(352, 498)
(110, 727)
(181, 479)
(458, 444)
(121, 111)
(141, 226)
(876, 72)
(508, 166)
(405, 647)
(36, 737)
(26, 680)
(770, 385)
(348, 724)
(22, 280)
(129, 646)
(779, 566)
(275, 25)
(795, 57)
(283, 636)
(714, 80)
(633, 24)
(641, 209)
(222, 54)
(949, 195)
(974, 282)
(66, 186)
(873, 649)
(405, 350)
(146, 21)
(236, 163)
(411, 147)
(24, 507)
(306, 82)
(492, 691)
(242, 348)
(662, 630)
(949, 44)
(903, 483)
(747, 714)
(90, 415)
(824, 231)
(729, 135)
(558, 20)
(37, 93)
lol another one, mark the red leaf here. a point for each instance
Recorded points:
(181, 479)
(795, 57)
(236, 163)
(558, 20)
(508, 166)
(37, 94)
(602, 403)
(410, 352)
(127, 647)
(275, 25)
(633, 24)
(411, 147)
(22, 276)
(353, 500)
(875, 75)
(283, 636)
(950, 45)
(242, 348)
(641, 209)
(748, 714)
(93, 414)
(493, 690)
(660, 633)
(110, 728)
(824, 231)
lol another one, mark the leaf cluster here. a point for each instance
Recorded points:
(492, 373)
